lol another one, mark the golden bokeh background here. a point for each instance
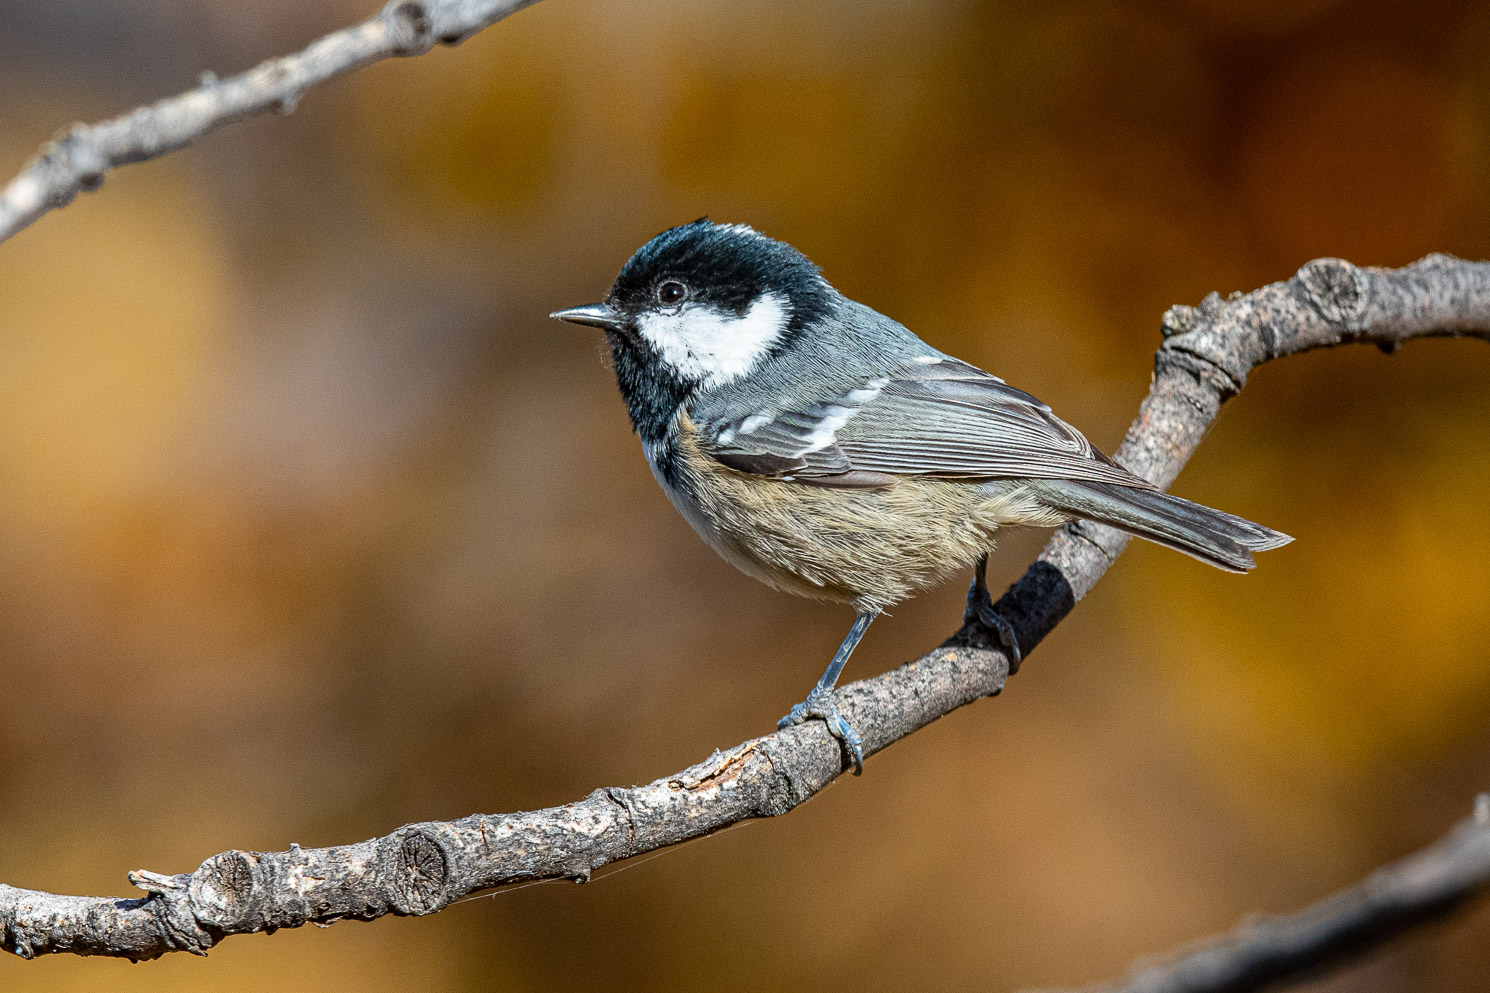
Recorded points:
(313, 524)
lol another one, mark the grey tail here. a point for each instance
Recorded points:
(1221, 539)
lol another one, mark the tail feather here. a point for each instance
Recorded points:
(1213, 536)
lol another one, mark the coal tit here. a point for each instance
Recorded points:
(827, 451)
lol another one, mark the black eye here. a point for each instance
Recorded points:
(671, 291)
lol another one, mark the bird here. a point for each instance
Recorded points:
(827, 451)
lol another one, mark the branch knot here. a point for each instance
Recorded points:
(1180, 319)
(222, 888)
(1338, 290)
(417, 868)
(408, 27)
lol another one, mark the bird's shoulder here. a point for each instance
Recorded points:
(868, 416)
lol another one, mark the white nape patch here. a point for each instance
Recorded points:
(714, 346)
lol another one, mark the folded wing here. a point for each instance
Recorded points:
(935, 417)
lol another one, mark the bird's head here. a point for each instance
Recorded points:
(701, 305)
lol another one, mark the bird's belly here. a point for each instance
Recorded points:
(869, 548)
(742, 550)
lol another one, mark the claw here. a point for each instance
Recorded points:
(980, 609)
(820, 704)
(992, 618)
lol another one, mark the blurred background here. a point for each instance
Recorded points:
(313, 523)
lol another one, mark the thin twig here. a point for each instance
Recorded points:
(79, 159)
(422, 868)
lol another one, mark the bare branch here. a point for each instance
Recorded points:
(422, 868)
(79, 160)
(1209, 351)
(1422, 887)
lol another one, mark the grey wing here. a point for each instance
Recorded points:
(936, 417)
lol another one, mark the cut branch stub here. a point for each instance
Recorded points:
(409, 27)
(1338, 290)
(416, 869)
(222, 889)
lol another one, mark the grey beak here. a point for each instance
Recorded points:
(595, 315)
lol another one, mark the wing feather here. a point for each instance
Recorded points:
(940, 418)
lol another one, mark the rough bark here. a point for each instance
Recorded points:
(421, 868)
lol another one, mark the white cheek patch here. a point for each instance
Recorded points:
(716, 346)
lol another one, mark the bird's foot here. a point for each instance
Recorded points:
(820, 704)
(980, 609)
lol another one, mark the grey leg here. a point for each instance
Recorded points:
(819, 702)
(980, 608)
